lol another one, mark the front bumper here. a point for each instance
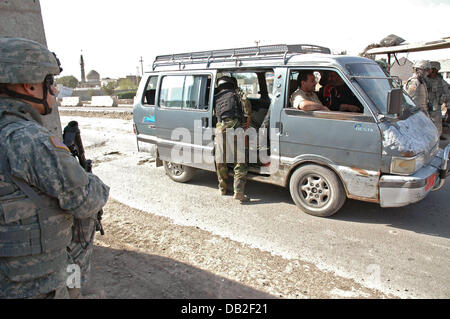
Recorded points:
(397, 191)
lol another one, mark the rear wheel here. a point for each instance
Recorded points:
(178, 172)
(317, 190)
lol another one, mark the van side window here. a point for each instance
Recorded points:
(185, 91)
(150, 91)
(330, 91)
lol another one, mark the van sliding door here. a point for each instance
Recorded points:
(184, 118)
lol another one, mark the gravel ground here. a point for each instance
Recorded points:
(148, 256)
(115, 115)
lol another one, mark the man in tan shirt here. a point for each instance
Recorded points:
(305, 98)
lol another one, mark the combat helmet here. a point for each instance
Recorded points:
(226, 81)
(27, 61)
(435, 65)
(422, 64)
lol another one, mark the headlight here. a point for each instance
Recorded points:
(407, 165)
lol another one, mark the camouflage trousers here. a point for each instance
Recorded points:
(223, 156)
(436, 117)
(82, 245)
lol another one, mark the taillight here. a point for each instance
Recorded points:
(134, 128)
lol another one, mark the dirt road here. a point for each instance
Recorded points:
(148, 256)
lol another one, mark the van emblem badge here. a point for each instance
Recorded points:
(360, 128)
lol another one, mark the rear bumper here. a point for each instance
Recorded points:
(397, 191)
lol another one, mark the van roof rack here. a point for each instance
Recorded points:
(239, 54)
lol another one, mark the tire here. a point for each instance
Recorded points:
(317, 190)
(179, 173)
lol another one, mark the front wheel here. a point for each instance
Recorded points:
(317, 190)
(179, 173)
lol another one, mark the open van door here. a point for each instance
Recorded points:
(144, 114)
(183, 115)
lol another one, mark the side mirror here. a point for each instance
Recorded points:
(394, 101)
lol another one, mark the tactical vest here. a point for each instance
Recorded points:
(436, 92)
(421, 95)
(228, 105)
(30, 223)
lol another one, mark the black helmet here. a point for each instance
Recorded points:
(226, 81)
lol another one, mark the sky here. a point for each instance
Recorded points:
(113, 35)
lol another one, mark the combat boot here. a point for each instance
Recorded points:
(241, 197)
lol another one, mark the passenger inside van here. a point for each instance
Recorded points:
(305, 97)
(336, 95)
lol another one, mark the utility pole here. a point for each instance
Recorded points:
(142, 66)
(137, 75)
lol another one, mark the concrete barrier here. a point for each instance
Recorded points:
(103, 101)
(71, 101)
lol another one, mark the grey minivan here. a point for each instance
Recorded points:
(387, 153)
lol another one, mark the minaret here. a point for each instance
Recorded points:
(83, 75)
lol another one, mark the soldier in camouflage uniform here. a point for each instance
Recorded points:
(438, 94)
(232, 110)
(416, 86)
(42, 187)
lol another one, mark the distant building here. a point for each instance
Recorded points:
(93, 78)
(92, 81)
(83, 75)
(403, 69)
(106, 81)
(134, 79)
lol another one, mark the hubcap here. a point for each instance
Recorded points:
(175, 169)
(314, 191)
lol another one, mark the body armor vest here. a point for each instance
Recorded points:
(421, 95)
(228, 105)
(30, 223)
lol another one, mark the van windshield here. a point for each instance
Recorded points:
(377, 85)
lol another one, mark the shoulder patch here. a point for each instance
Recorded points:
(58, 144)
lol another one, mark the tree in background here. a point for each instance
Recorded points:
(68, 81)
(109, 88)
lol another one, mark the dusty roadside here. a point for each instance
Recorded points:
(147, 256)
(106, 114)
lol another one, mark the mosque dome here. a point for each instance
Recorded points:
(93, 76)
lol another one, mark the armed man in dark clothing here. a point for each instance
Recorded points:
(232, 115)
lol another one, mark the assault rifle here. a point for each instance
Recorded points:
(72, 139)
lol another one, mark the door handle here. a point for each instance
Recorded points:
(279, 126)
(205, 122)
